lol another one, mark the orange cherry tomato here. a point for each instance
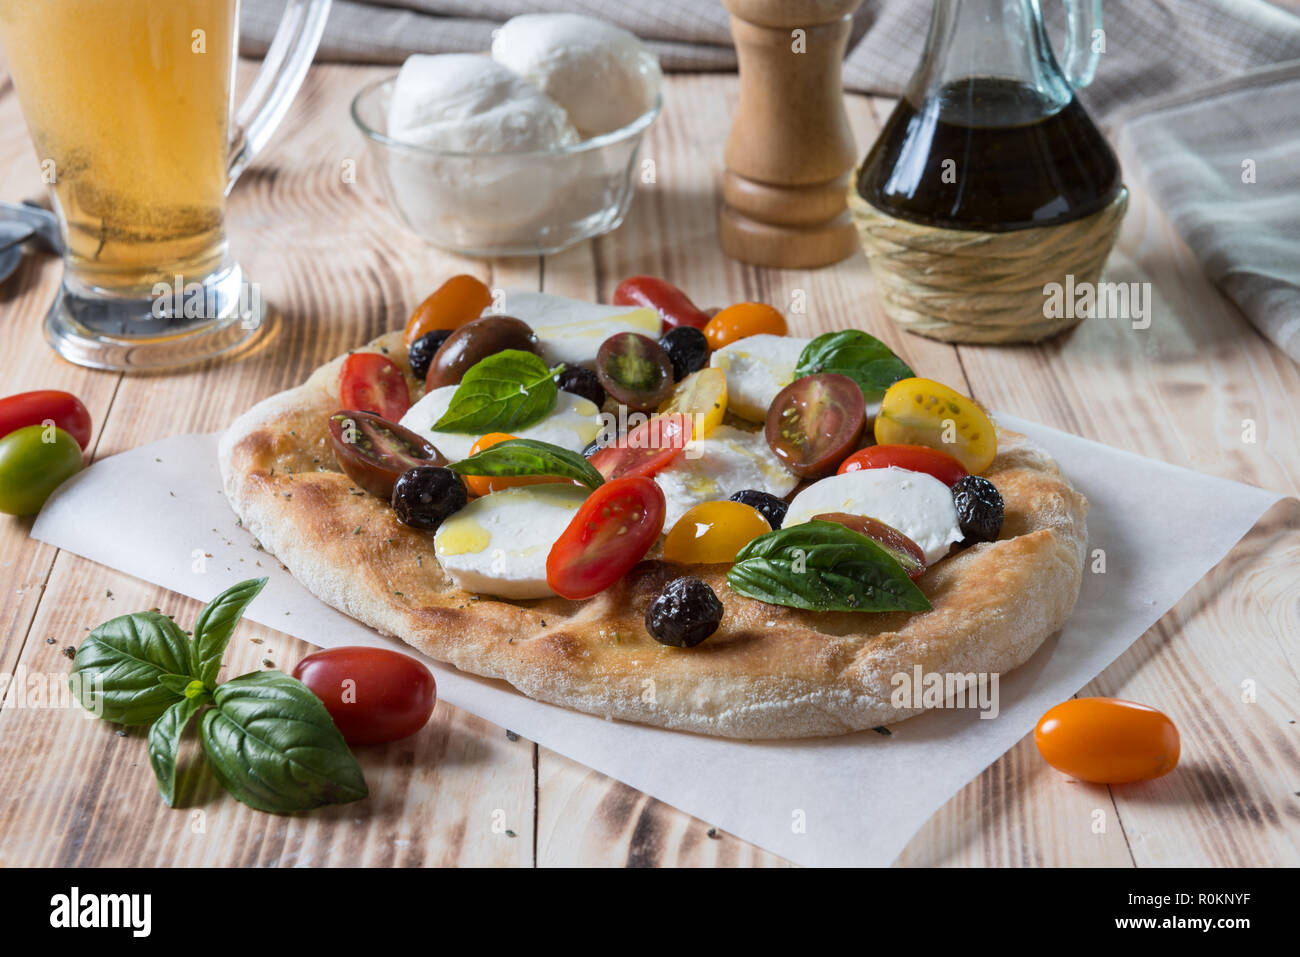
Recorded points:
(611, 531)
(742, 320)
(914, 458)
(713, 532)
(457, 301)
(372, 382)
(1107, 741)
(481, 485)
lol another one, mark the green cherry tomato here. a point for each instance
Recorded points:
(34, 461)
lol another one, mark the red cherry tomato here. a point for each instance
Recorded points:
(34, 408)
(905, 551)
(1107, 741)
(915, 458)
(649, 448)
(371, 382)
(374, 695)
(611, 532)
(674, 306)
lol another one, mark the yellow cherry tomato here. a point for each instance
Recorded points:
(924, 412)
(703, 396)
(483, 484)
(742, 320)
(1107, 741)
(714, 532)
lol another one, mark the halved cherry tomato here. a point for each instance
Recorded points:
(906, 551)
(635, 370)
(743, 320)
(914, 458)
(674, 306)
(374, 695)
(924, 412)
(649, 448)
(713, 532)
(481, 485)
(1107, 740)
(454, 303)
(611, 531)
(816, 421)
(372, 382)
(703, 396)
(36, 408)
(374, 452)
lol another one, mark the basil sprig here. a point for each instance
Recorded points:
(862, 357)
(823, 566)
(268, 739)
(530, 457)
(507, 391)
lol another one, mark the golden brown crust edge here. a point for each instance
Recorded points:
(769, 672)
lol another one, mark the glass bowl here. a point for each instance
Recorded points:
(529, 203)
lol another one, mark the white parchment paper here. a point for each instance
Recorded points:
(853, 800)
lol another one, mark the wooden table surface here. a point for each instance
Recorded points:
(340, 272)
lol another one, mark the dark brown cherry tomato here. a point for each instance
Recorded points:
(372, 382)
(35, 408)
(674, 306)
(915, 458)
(374, 695)
(611, 531)
(475, 341)
(649, 448)
(906, 551)
(373, 452)
(815, 422)
(454, 303)
(635, 370)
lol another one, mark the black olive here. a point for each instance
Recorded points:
(769, 506)
(979, 509)
(425, 496)
(684, 613)
(423, 349)
(583, 382)
(687, 348)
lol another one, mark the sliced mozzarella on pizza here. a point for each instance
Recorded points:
(918, 505)
(571, 331)
(757, 368)
(573, 424)
(497, 545)
(711, 469)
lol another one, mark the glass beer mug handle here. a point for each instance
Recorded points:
(1084, 41)
(278, 80)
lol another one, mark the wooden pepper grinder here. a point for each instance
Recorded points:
(790, 150)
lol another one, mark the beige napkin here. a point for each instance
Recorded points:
(1224, 164)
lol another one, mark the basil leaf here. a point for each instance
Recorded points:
(502, 393)
(823, 566)
(165, 741)
(273, 745)
(117, 667)
(530, 457)
(862, 357)
(215, 626)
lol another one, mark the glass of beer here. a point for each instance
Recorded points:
(130, 105)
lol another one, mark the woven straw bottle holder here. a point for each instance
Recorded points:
(966, 286)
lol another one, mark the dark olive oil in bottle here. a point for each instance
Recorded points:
(989, 154)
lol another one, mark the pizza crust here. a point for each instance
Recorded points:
(769, 671)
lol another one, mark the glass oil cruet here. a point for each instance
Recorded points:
(989, 135)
